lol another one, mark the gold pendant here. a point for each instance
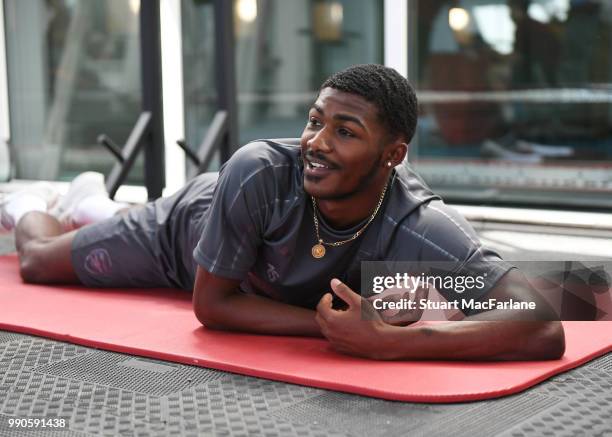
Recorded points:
(318, 251)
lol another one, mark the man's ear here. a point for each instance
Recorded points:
(396, 152)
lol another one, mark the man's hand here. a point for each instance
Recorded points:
(359, 330)
(402, 317)
(350, 331)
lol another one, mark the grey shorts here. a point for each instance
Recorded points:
(148, 246)
(121, 251)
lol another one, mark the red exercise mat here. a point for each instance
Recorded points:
(160, 324)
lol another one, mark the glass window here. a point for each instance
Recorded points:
(515, 100)
(199, 86)
(74, 73)
(284, 49)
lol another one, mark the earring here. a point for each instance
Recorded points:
(388, 163)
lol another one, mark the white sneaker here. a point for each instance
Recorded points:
(84, 185)
(42, 190)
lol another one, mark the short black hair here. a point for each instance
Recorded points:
(387, 89)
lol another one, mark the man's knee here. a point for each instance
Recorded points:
(32, 264)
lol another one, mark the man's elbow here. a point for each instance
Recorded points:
(548, 341)
(209, 317)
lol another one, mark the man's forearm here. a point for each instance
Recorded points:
(474, 340)
(259, 315)
(491, 335)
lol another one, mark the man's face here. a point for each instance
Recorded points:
(341, 146)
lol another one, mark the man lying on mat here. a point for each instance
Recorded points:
(265, 242)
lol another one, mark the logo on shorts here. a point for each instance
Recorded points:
(272, 273)
(98, 262)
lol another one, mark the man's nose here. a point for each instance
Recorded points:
(319, 142)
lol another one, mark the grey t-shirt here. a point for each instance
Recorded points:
(259, 229)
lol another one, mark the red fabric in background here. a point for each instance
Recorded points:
(160, 324)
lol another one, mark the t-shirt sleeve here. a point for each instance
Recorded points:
(439, 235)
(236, 217)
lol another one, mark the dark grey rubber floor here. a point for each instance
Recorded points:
(105, 393)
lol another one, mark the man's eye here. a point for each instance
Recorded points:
(313, 122)
(345, 133)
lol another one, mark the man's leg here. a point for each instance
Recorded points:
(113, 248)
(43, 244)
(44, 250)
(86, 202)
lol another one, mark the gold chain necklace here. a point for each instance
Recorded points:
(318, 250)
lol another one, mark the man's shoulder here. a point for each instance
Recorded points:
(264, 164)
(422, 218)
(265, 153)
